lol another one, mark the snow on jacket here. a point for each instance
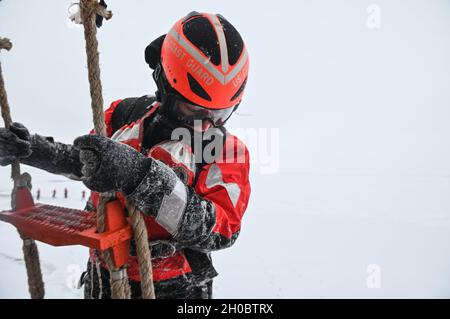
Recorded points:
(217, 192)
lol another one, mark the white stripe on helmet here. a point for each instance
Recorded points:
(222, 42)
(195, 53)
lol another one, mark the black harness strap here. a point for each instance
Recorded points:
(131, 110)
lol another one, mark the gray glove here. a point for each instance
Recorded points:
(38, 151)
(149, 185)
(14, 144)
(110, 166)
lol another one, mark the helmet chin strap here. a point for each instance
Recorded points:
(158, 78)
(162, 94)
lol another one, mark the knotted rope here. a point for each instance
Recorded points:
(5, 44)
(119, 281)
(30, 250)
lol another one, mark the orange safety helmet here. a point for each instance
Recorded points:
(205, 60)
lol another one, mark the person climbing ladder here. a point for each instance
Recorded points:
(192, 205)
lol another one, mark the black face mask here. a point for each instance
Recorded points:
(191, 115)
(159, 129)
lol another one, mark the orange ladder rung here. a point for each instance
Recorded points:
(59, 226)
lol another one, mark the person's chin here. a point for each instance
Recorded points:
(201, 129)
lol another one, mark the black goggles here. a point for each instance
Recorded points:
(188, 113)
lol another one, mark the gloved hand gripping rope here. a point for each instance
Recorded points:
(90, 10)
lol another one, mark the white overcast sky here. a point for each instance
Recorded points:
(363, 116)
(347, 99)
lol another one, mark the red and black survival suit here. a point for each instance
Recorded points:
(200, 213)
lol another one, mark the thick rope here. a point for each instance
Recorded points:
(119, 281)
(99, 278)
(143, 252)
(33, 266)
(88, 14)
(30, 250)
(5, 44)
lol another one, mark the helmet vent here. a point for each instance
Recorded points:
(197, 88)
(201, 33)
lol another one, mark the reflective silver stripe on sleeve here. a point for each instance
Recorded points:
(215, 178)
(172, 208)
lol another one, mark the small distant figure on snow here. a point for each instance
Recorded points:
(83, 195)
(54, 193)
(38, 194)
(66, 193)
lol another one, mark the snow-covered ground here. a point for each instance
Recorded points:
(320, 247)
(358, 205)
(339, 232)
